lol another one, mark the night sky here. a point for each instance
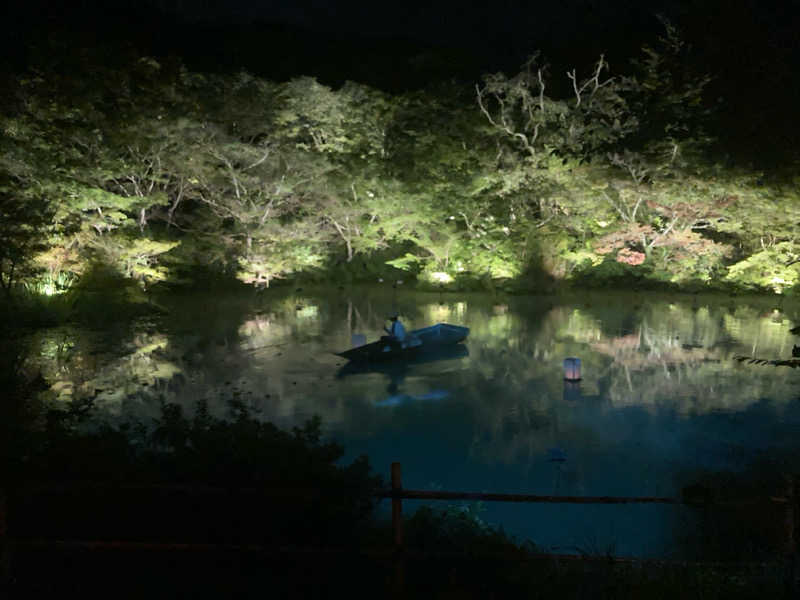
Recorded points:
(494, 33)
(750, 47)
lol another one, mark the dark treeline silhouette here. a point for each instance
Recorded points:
(751, 50)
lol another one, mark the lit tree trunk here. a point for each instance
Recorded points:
(346, 237)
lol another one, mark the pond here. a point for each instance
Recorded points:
(661, 397)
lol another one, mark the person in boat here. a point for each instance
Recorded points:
(398, 338)
(396, 332)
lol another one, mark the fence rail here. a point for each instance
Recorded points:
(397, 494)
(492, 497)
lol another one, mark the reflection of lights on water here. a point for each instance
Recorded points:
(263, 330)
(308, 312)
(500, 322)
(439, 312)
(253, 326)
(500, 309)
(81, 371)
(582, 326)
(445, 312)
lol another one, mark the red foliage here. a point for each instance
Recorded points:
(631, 234)
(630, 257)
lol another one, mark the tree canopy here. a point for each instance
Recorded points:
(161, 172)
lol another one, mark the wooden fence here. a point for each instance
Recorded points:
(397, 493)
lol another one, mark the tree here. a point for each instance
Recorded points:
(21, 236)
(666, 93)
(596, 117)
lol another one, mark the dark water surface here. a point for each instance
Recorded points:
(661, 397)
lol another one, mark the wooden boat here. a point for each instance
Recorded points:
(399, 368)
(418, 341)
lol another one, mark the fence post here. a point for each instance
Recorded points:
(397, 505)
(5, 542)
(790, 524)
(397, 528)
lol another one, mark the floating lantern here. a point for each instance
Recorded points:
(572, 369)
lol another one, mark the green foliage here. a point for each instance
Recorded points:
(136, 257)
(776, 268)
(667, 93)
(610, 272)
(161, 172)
(596, 116)
(270, 260)
(21, 236)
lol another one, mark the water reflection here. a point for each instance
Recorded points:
(85, 364)
(398, 399)
(396, 372)
(661, 395)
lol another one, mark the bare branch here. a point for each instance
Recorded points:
(504, 126)
(260, 160)
(545, 222)
(638, 172)
(541, 90)
(267, 210)
(594, 79)
(174, 206)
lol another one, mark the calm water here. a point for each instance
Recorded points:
(661, 396)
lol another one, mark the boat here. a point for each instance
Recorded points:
(419, 341)
(399, 368)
